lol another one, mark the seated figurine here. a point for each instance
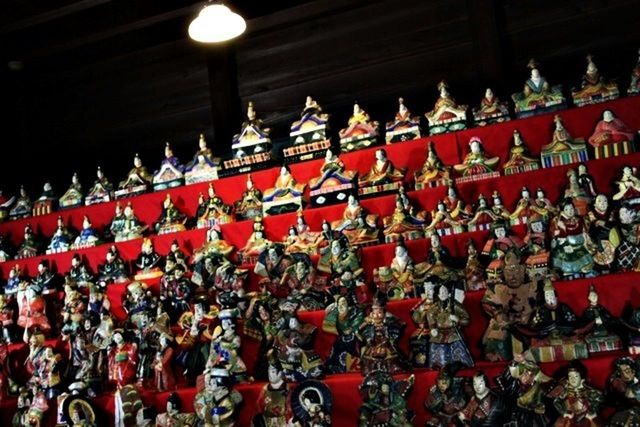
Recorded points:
(519, 159)
(524, 208)
(215, 246)
(30, 246)
(538, 260)
(339, 258)
(543, 206)
(272, 265)
(251, 147)
(137, 182)
(102, 190)
(225, 347)
(132, 227)
(23, 207)
(343, 318)
(334, 183)
(88, 237)
(600, 326)
(634, 86)
(456, 206)
(117, 222)
(611, 137)
(593, 88)
(571, 247)
(32, 308)
(216, 403)
(250, 205)
(476, 165)
(402, 224)
(301, 239)
(402, 279)
(203, 167)
(382, 177)
(443, 223)
(438, 268)
(628, 251)
(404, 127)
(61, 240)
(483, 216)
(419, 340)
(500, 241)
(604, 234)
(173, 417)
(491, 110)
(563, 149)
(384, 400)
(433, 172)
(114, 270)
(474, 272)
(212, 211)
(447, 397)
(309, 135)
(361, 132)
(623, 388)
(294, 349)
(46, 203)
(577, 402)
(537, 96)
(580, 197)
(447, 115)
(171, 219)
(73, 197)
(171, 172)
(285, 196)
(356, 224)
(628, 187)
(148, 262)
(256, 243)
(79, 274)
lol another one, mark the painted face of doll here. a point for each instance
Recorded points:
(441, 207)
(537, 227)
(574, 378)
(569, 210)
(601, 203)
(293, 323)
(442, 384)
(451, 192)
(117, 338)
(263, 313)
(435, 241)
(550, 298)
(627, 216)
(443, 293)
(626, 372)
(501, 233)
(482, 203)
(380, 155)
(535, 74)
(352, 200)
(275, 376)
(325, 226)
(343, 305)
(488, 93)
(479, 385)
(607, 116)
(475, 147)
(401, 252)
(301, 270)
(335, 248)
(593, 297)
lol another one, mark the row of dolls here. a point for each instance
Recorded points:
(308, 136)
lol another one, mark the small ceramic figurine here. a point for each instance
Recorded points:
(73, 196)
(628, 187)
(382, 177)
(102, 190)
(301, 239)
(379, 335)
(171, 219)
(173, 417)
(402, 279)
(225, 347)
(563, 148)
(171, 172)
(543, 206)
(419, 340)
(524, 208)
(216, 404)
(473, 272)
(593, 88)
(114, 269)
(61, 239)
(486, 408)
(137, 182)
(402, 224)
(571, 248)
(447, 115)
(433, 172)
(404, 127)
(30, 245)
(538, 259)
(476, 165)
(447, 397)
(623, 389)
(604, 234)
(148, 262)
(285, 196)
(294, 349)
(334, 184)
(491, 110)
(601, 326)
(251, 147)
(385, 401)
(628, 251)
(501, 240)
(343, 319)
(537, 96)
(634, 86)
(23, 206)
(580, 197)
(483, 217)
(443, 221)
(46, 203)
(194, 339)
(204, 166)
(274, 403)
(519, 159)
(339, 258)
(88, 237)
(123, 360)
(611, 137)
(361, 229)
(577, 402)
(361, 132)
(309, 135)
(127, 226)
(256, 244)
(212, 211)
(250, 205)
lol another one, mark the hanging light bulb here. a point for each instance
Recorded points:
(216, 23)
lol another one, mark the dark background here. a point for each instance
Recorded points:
(92, 82)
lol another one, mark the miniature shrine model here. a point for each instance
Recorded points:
(494, 282)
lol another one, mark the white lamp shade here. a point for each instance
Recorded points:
(216, 23)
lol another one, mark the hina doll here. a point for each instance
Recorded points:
(171, 172)
(519, 158)
(500, 241)
(171, 219)
(447, 115)
(445, 317)
(628, 186)
(524, 208)
(204, 166)
(114, 270)
(361, 131)
(338, 258)
(13, 282)
(45, 281)
(600, 326)
(576, 193)
(215, 246)
(538, 96)
(343, 318)
(593, 88)
(311, 402)
(483, 217)
(438, 266)
(433, 173)
(402, 279)
(7, 326)
(88, 237)
(73, 197)
(253, 139)
(294, 350)
(537, 244)
(30, 246)
(352, 211)
(623, 389)
(225, 347)
(180, 291)
(334, 184)
(523, 386)
(216, 404)
(285, 196)
(256, 244)
(304, 288)
(508, 302)
(634, 86)
(102, 190)
(122, 360)
(379, 335)
(603, 233)
(272, 265)
(23, 207)
(485, 408)
(419, 340)
(229, 286)
(46, 203)
(132, 227)
(443, 222)
(302, 239)
(628, 252)
(212, 211)
(260, 325)
(476, 164)
(474, 271)
(404, 127)
(383, 176)
(577, 402)
(274, 401)
(147, 262)
(611, 136)
(250, 204)
(137, 182)
(402, 224)
(138, 303)
(194, 339)
(385, 400)
(491, 110)
(543, 206)
(446, 398)
(563, 148)
(308, 136)
(571, 248)
(61, 240)
(173, 417)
